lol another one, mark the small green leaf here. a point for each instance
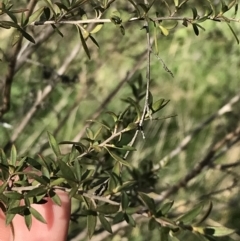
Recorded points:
(113, 115)
(119, 217)
(165, 208)
(129, 219)
(219, 231)
(195, 29)
(13, 156)
(147, 201)
(53, 144)
(152, 224)
(73, 191)
(28, 218)
(114, 182)
(188, 217)
(118, 158)
(67, 172)
(167, 222)
(3, 186)
(91, 224)
(159, 104)
(26, 35)
(14, 195)
(11, 15)
(78, 170)
(202, 19)
(117, 168)
(57, 182)
(37, 215)
(85, 47)
(36, 191)
(8, 24)
(125, 186)
(55, 198)
(236, 9)
(106, 225)
(214, 231)
(164, 31)
(4, 171)
(234, 34)
(35, 15)
(9, 218)
(17, 210)
(131, 126)
(107, 209)
(124, 201)
(208, 211)
(41, 179)
(57, 30)
(3, 158)
(97, 28)
(195, 14)
(89, 133)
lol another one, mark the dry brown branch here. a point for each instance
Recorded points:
(7, 83)
(41, 96)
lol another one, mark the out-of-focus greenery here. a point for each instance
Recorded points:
(206, 71)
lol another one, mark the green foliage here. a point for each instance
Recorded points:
(105, 171)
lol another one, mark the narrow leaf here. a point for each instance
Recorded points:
(195, 14)
(57, 30)
(37, 215)
(35, 15)
(85, 47)
(106, 225)
(107, 208)
(166, 207)
(164, 31)
(234, 34)
(54, 145)
(124, 201)
(28, 218)
(67, 172)
(14, 195)
(195, 29)
(97, 28)
(188, 217)
(147, 201)
(129, 219)
(94, 41)
(118, 158)
(91, 224)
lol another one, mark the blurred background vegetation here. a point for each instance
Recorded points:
(206, 71)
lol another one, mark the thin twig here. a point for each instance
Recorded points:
(6, 98)
(107, 20)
